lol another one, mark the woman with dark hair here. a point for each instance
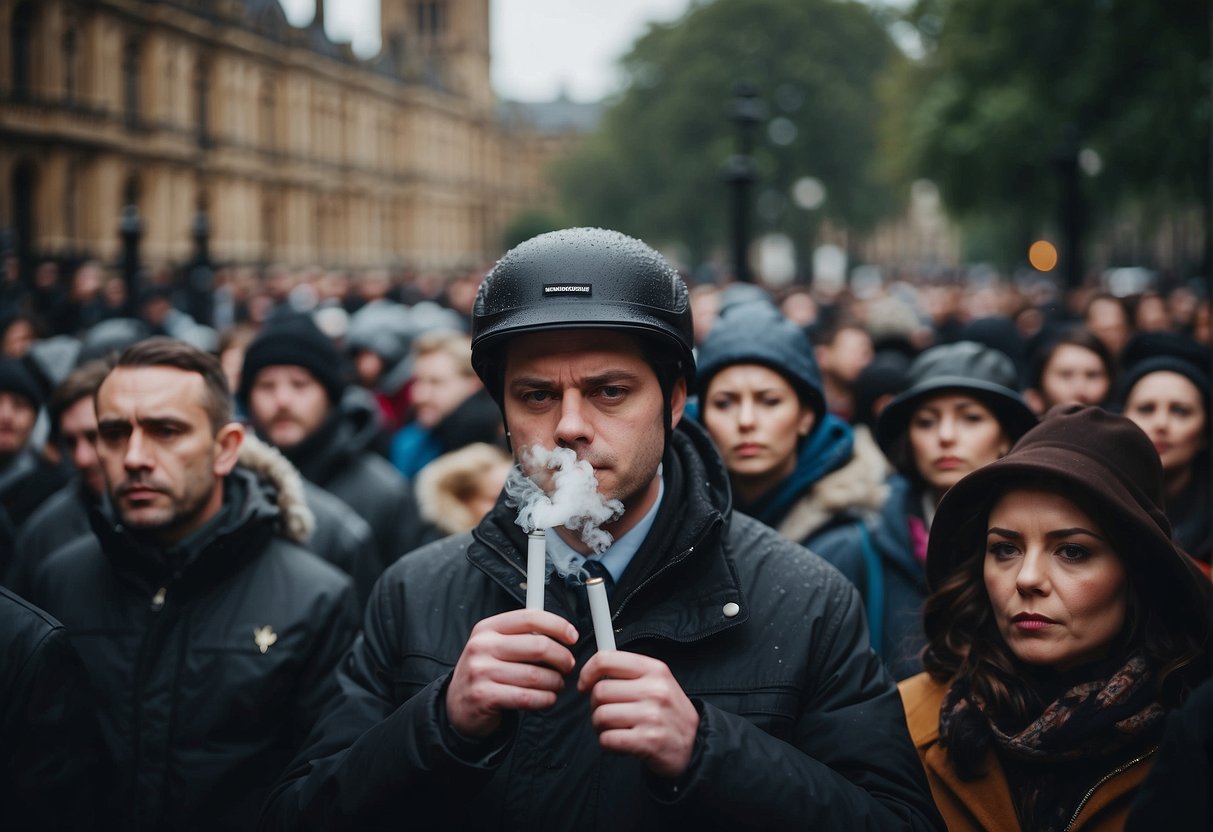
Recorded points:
(1062, 626)
(960, 411)
(1166, 393)
(1069, 367)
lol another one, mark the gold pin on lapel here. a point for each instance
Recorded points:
(264, 637)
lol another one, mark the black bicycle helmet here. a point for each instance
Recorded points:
(580, 278)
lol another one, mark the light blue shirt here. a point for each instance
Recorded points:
(621, 551)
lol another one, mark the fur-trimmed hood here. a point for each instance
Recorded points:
(274, 469)
(859, 487)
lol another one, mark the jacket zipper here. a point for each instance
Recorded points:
(141, 667)
(1118, 770)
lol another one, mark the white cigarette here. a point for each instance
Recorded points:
(536, 568)
(600, 612)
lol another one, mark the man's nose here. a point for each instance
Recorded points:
(573, 427)
(137, 452)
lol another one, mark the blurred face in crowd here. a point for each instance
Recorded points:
(1107, 318)
(78, 437)
(1057, 588)
(1074, 375)
(756, 420)
(164, 462)
(846, 356)
(951, 435)
(440, 385)
(18, 338)
(17, 417)
(287, 404)
(368, 367)
(1168, 407)
(595, 393)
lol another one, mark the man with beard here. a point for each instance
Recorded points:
(295, 391)
(26, 477)
(743, 693)
(208, 635)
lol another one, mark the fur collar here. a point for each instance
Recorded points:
(273, 469)
(858, 487)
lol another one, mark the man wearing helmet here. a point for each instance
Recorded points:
(742, 692)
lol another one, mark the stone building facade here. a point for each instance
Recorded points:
(298, 151)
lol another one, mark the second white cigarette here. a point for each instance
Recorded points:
(600, 612)
(536, 568)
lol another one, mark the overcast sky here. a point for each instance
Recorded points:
(539, 47)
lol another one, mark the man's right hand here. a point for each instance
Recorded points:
(512, 661)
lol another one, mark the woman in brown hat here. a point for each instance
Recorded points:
(1062, 626)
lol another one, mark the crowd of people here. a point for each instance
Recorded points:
(907, 556)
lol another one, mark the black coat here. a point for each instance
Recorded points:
(51, 763)
(800, 725)
(207, 674)
(339, 458)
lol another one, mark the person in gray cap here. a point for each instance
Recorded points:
(743, 693)
(960, 411)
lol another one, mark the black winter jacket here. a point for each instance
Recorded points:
(51, 762)
(207, 674)
(800, 725)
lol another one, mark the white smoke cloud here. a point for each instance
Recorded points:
(573, 501)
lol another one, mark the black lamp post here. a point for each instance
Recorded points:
(1070, 207)
(130, 228)
(746, 111)
(200, 282)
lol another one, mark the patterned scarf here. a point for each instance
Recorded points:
(1092, 718)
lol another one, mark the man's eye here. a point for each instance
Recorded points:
(612, 392)
(537, 396)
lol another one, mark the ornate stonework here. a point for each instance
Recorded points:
(300, 152)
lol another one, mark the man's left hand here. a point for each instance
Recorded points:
(638, 708)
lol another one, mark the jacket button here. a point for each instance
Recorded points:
(731, 609)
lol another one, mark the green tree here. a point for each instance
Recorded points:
(1006, 89)
(655, 167)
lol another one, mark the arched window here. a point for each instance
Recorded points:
(130, 83)
(21, 50)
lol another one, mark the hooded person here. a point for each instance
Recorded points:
(1165, 391)
(294, 388)
(1063, 625)
(792, 464)
(959, 411)
(27, 477)
(460, 708)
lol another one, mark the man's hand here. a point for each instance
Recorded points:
(512, 661)
(638, 708)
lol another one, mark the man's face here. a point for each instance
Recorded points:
(17, 416)
(439, 387)
(287, 404)
(78, 437)
(164, 465)
(595, 393)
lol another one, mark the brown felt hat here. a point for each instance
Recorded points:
(1099, 459)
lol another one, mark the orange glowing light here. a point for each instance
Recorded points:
(1042, 255)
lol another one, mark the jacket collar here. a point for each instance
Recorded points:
(244, 526)
(683, 574)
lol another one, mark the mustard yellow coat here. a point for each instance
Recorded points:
(985, 804)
